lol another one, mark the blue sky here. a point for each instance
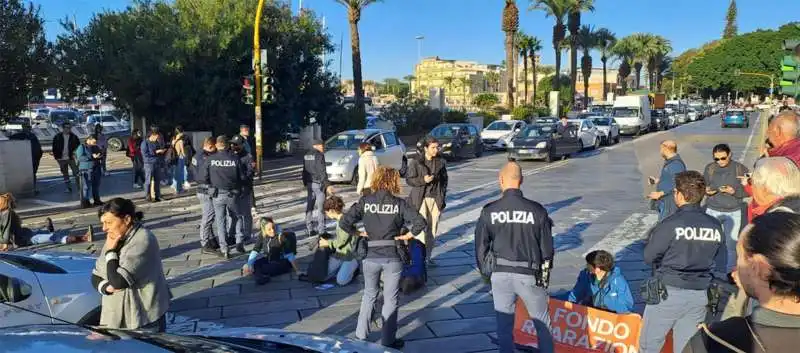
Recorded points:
(470, 29)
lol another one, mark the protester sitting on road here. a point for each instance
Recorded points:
(341, 263)
(14, 235)
(665, 184)
(601, 285)
(769, 271)
(128, 272)
(274, 254)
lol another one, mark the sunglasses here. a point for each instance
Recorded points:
(720, 159)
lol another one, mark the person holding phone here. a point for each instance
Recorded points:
(90, 158)
(665, 184)
(153, 150)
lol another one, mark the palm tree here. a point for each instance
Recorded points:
(524, 45)
(354, 8)
(493, 78)
(657, 49)
(410, 79)
(535, 46)
(625, 52)
(640, 43)
(587, 40)
(510, 26)
(449, 82)
(557, 9)
(575, 7)
(466, 82)
(605, 42)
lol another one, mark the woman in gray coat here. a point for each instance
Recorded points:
(128, 272)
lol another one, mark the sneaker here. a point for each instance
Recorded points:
(240, 248)
(302, 277)
(226, 254)
(86, 204)
(210, 251)
(156, 200)
(136, 186)
(107, 173)
(187, 185)
(50, 227)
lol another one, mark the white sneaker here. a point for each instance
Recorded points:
(187, 185)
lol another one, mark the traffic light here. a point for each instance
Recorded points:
(267, 88)
(790, 68)
(247, 90)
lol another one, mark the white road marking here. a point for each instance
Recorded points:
(46, 203)
(756, 126)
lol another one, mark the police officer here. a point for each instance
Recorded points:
(315, 179)
(208, 245)
(684, 249)
(383, 214)
(514, 246)
(226, 175)
(244, 223)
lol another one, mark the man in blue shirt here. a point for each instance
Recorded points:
(673, 164)
(601, 285)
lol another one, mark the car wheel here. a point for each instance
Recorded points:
(616, 139)
(596, 143)
(479, 151)
(580, 145)
(354, 179)
(115, 144)
(549, 158)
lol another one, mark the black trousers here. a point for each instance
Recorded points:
(265, 268)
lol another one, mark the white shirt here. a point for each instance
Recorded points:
(65, 151)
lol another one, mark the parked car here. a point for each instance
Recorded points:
(459, 140)
(545, 120)
(107, 120)
(658, 120)
(692, 114)
(500, 132)
(608, 129)
(735, 117)
(341, 152)
(15, 123)
(54, 284)
(58, 117)
(588, 135)
(75, 339)
(540, 141)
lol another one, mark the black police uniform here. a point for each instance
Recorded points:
(515, 234)
(384, 215)
(244, 223)
(684, 249)
(315, 179)
(204, 193)
(226, 175)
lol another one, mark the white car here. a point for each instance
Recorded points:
(588, 133)
(341, 152)
(108, 121)
(608, 129)
(692, 114)
(500, 132)
(56, 284)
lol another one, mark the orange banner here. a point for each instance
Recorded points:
(580, 329)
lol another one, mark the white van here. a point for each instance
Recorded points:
(632, 113)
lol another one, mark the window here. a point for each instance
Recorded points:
(377, 142)
(390, 139)
(473, 131)
(13, 290)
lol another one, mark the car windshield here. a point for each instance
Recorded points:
(446, 131)
(63, 116)
(500, 126)
(537, 131)
(625, 112)
(109, 119)
(345, 141)
(601, 122)
(735, 112)
(546, 120)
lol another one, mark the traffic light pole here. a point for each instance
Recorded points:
(771, 81)
(257, 100)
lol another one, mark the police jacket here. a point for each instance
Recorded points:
(685, 247)
(518, 231)
(383, 215)
(247, 165)
(224, 171)
(314, 170)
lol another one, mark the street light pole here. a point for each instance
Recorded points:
(419, 47)
(257, 69)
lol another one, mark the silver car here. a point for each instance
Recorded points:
(608, 129)
(341, 152)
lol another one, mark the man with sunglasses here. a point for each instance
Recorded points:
(725, 197)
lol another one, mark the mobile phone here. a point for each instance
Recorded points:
(748, 175)
(651, 180)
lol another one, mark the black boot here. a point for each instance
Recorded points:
(240, 248)
(86, 204)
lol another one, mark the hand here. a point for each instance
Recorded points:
(112, 290)
(363, 234)
(428, 179)
(5, 247)
(330, 190)
(324, 243)
(727, 189)
(407, 236)
(96, 155)
(710, 191)
(655, 195)
(112, 240)
(160, 151)
(246, 270)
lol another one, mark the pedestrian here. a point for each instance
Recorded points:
(514, 248)
(102, 144)
(274, 254)
(13, 235)
(684, 249)
(249, 144)
(179, 160)
(128, 272)
(427, 176)
(153, 150)
(563, 129)
(665, 184)
(208, 244)
(768, 270)
(225, 173)
(367, 163)
(601, 285)
(315, 179)
(342, 263)
(134, 152)
(36, 149)
(725, 197)
(383, 214)
(244, 224)
(64, 146)
(90, 157)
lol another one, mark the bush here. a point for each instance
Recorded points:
(412, 116)
(345, 119)
(454, 116)
(522, 112)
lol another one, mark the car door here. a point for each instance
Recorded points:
(380, 150)
(393, 153)
(20, 288)
(474, 138)
(568, 143)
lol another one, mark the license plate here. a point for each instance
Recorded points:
(525, 151)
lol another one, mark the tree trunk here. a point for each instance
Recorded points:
(355, 45)
(525, 74)
(605, 83)
(638, 69)
(533, 65)
(510, 70)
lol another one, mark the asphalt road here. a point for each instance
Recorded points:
(595, 198)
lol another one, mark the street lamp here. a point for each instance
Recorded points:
(419, 47)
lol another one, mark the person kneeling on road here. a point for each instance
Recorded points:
(601, 285)
(274, 253)
(341, 263)
(684, 250)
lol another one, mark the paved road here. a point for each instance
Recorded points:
(596, 200)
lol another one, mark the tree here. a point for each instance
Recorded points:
(557, 9)
(605, 43)
(410, 79)
(24, 56)
(625, 51)
(656, 51)
(587, 40)
(510, 26)
(493, 79)
(639, 44)
(575, 8)
(466, 87)
(484, 101)
(535, 47)
(546, 87)
(730, 21)
(354, 9)
(448, 81)
(524, 43)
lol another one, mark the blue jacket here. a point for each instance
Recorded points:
(85, 159)
(149, 151)
(615, 295)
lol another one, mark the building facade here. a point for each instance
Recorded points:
(370, 88)
(596, 83)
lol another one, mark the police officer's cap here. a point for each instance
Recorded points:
(237, 140)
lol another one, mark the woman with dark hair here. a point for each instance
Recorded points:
(153, 156)
(768, 269)
(274, 253)
(367, 164)
(13, 235)
(134, 152)
(128, 271)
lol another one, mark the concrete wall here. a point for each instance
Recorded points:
(14, 176)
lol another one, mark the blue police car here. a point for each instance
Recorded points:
(735, 117)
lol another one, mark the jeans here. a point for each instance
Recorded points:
(506, 287)
(731, 224)
(342, 270)
(224, 209)
(90, 183)
(206, 220)
(45, 237)
(244, 221)
(138, 170)
(391, 288)
(152, 179)
(315, 218)
(178, 175)
(63, 164)
(683, 310)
